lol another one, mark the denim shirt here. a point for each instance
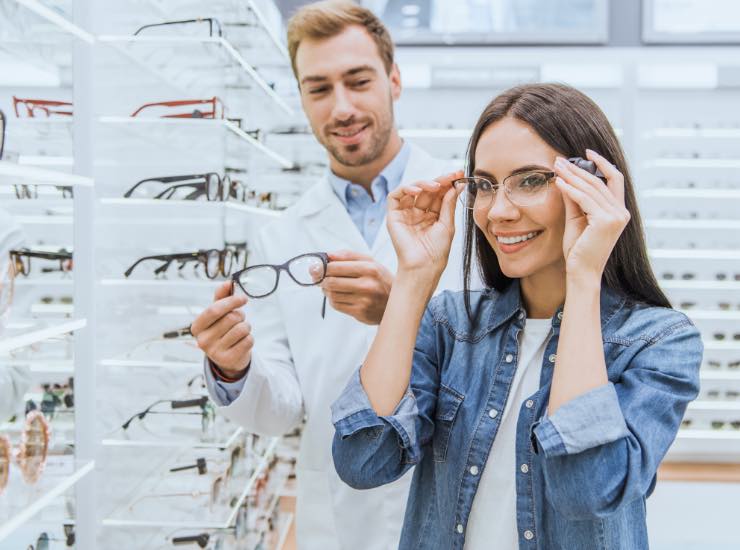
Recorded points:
(582, 474)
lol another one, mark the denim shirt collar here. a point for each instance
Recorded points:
(508, 303)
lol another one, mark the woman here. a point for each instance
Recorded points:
(538, 410)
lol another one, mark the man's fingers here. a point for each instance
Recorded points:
(348, 255)
(208, 337)
(223, 290)
(235, 334)
(213, 313)
(346, 285)
(351, 268)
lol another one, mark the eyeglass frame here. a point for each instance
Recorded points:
(64, 258)
(211, 21)
(225, 192)
(214, 101)
(207, 409)
(44, 104)
(23, 191)
(323, 256)
(4, 122)
(200, 256)
(582, 163)
(30, 472)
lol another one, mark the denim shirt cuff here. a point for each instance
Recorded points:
(587, 421)
(352, 412)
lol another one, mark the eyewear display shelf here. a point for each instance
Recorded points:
(33, 33)
(234, 60)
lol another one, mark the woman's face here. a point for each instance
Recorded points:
(507, 147)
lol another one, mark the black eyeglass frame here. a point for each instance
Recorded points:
(226, 187)
(212, 23)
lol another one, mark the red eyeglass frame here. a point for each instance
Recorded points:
(48, 106)
(214, 102)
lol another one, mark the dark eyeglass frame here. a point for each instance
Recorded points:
(226, 187)
(63, 257)
(4, 123)
(175, 404)
(213, 23)
(225, 261)
(23, 191)
(214, 102)
(323, 256)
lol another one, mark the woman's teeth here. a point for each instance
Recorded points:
(518, 239)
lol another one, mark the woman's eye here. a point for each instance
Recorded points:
(533, 180)
(360, 83)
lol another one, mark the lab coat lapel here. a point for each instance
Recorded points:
(419, 166)
(329, 224)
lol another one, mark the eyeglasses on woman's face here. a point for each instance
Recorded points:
(525, 188)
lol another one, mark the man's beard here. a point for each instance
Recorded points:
(345, 154)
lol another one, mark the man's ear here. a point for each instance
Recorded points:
(395, 79)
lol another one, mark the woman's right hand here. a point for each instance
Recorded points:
(421, 223)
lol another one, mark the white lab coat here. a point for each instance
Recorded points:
(301, 363)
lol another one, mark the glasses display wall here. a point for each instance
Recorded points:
(166, 111)
(145, 141)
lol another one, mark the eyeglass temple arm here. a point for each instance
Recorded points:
(200, 464)
(177, 103)
(165, 23)
(163, 258)
(143, 413)
(163, 180)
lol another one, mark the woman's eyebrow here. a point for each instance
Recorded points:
(526, 168)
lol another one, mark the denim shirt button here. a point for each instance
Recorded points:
(560, 315)
(529, 535)
(460, 528)
(493, 413)
(524, 468)
(474, 470)
(529, 404)
(521, 315)
(552, 358)
(509, 358)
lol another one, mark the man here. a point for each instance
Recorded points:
(288, 362)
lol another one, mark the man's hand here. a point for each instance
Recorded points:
(357, 285)
(223, 334)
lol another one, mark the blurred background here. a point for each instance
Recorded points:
(109, 108)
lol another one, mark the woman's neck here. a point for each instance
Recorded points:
(544, 292)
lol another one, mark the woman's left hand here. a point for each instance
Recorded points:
(595, 215)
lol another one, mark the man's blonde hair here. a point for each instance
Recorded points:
(328, 18)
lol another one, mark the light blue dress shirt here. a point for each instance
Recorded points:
(366, 212)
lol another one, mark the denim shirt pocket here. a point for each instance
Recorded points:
(448, 403)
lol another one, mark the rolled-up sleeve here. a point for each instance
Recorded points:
(371, 450)
(602, 449)
(589, 420)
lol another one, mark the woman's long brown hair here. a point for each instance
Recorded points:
(570, 122)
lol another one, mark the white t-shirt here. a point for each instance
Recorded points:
(492, 523)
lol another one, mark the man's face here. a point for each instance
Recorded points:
(347, 95)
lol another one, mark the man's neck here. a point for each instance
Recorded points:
(365, 174)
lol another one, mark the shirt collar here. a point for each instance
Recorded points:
(392, 174)
(508, 302)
